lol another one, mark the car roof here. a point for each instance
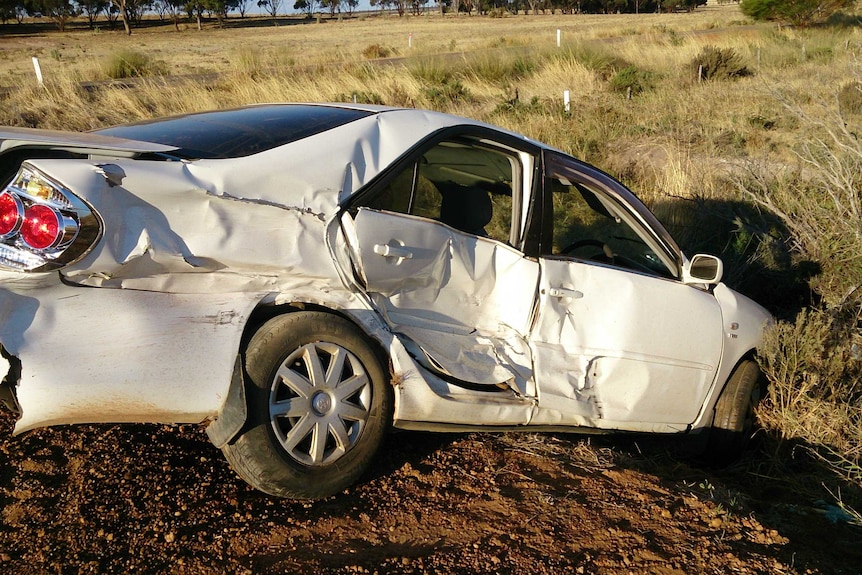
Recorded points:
(239, 132)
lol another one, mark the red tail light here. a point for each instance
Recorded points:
(11, 214)
(43, 225)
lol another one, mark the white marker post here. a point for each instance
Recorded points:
(566, 101)
(558, 37)
(410, 40)
(38, 70)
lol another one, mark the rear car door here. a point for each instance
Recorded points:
(436, 245)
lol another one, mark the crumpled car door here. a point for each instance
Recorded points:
(619, 338)
(466, 301)
(622, 346)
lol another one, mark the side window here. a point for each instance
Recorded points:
(590, 225)
(395, 196)
(464, 183)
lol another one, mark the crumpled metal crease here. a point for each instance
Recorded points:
(457, 297)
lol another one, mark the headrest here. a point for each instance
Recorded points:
(466, 208)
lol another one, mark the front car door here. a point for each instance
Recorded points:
(620, 342)
(437, 245)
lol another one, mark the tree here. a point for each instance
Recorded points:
(800, 13)
(333, 6)
(11, 9)
(241, 6)
(383, 4)
(112, 14)
(172, 9)
(272, 7)
(350, 6)
(307, 6)
(91, 9)
(195, 9)
(124, 14)
(60, 11)
(219, 8)
(135, 9)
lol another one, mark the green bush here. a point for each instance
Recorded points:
(432, 70)
(820, 204)
(631, 80)
(447, 92)
(130, 64)
(715, 63)
(796, 12)
(517, 107)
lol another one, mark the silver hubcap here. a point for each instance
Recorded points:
(319, 403)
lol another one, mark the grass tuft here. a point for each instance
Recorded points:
(131, 64)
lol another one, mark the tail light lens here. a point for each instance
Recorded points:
(11, 214)
(43, 226)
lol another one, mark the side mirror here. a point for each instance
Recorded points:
(703, 269)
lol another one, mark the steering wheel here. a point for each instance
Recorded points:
(606, 250)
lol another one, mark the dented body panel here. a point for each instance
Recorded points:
(161, 357)
(479, 331)
(457, 299)
(614, 346)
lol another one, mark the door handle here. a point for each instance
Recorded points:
(388, 251)
(564, 292)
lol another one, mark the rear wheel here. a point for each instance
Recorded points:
(733, 424)
(318, 406)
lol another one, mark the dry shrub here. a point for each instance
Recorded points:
(820, 203)
(373, 51)
(131, 64)
(814, 368)
(850, 99)
(814, 363)
(718, 64)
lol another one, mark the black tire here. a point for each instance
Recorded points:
(733, 424)
(310, 432)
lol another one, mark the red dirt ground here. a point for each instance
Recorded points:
(157, 499)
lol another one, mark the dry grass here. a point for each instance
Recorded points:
(308, 43)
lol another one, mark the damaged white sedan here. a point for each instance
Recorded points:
(303, 277)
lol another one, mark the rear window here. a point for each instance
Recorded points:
(236, 133)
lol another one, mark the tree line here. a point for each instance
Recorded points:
(130, 13)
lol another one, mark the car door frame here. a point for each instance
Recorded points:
(520, 353)
(571, 390)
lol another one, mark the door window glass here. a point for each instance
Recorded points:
(591, 225)
(464, 183)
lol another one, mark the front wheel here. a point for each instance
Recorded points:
(318, 406)
(733, 424)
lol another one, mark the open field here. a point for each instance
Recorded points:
(295, 41)
(748, 151)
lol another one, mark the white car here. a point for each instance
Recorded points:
(304, 276)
